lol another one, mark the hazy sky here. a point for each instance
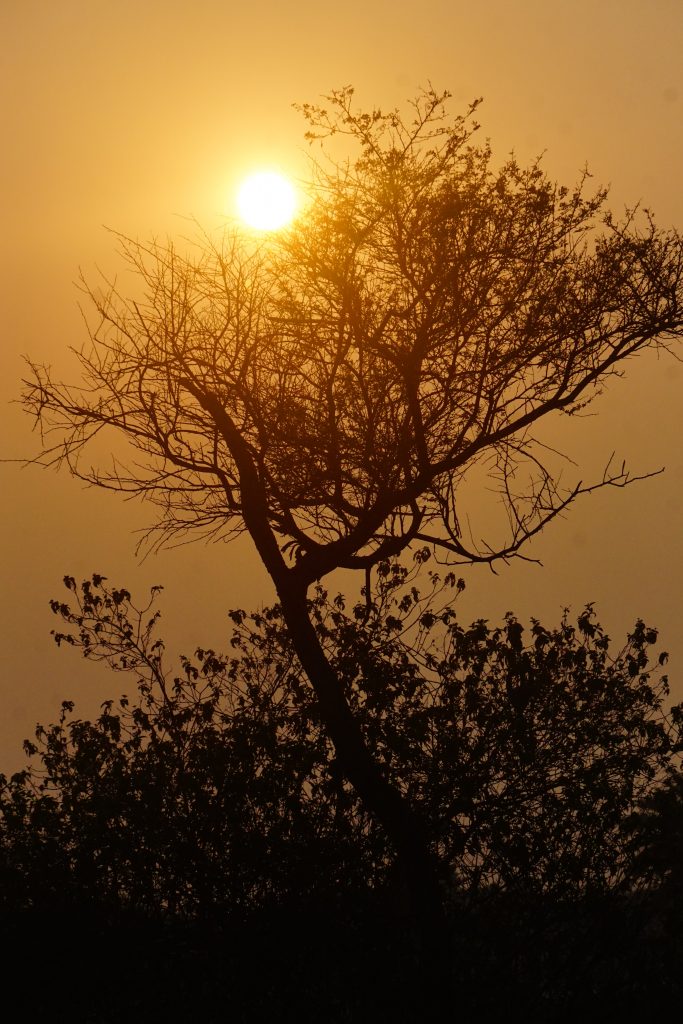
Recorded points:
(137, 114)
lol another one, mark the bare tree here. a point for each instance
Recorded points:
(330, 388)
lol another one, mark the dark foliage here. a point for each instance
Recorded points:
(594, 959)
(656, 834)
(217, 790)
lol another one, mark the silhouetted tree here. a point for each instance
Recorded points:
(330, 388)
(218, 788)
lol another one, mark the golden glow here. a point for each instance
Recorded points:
(266, 201)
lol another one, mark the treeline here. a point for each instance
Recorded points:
(545, 765)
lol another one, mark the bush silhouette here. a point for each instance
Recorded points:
(215, 788)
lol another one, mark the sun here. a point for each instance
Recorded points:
(266, 201)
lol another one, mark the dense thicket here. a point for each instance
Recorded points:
(215, 788)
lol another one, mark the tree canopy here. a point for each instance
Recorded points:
(423, 313)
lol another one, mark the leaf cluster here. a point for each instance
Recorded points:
(215, 785)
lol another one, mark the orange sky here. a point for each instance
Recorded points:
(136, 114)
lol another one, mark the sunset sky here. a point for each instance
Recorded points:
(137, 116)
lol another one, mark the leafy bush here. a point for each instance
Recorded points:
(216, 786)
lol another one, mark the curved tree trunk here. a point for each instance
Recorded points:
(402, 824)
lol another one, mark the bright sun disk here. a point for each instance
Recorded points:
(266, 201)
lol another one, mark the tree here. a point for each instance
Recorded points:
(330, 389)
(213, 785)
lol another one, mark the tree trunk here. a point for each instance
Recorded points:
(403, 826)
(419, 866)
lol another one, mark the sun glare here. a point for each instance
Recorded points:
(266, 201)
